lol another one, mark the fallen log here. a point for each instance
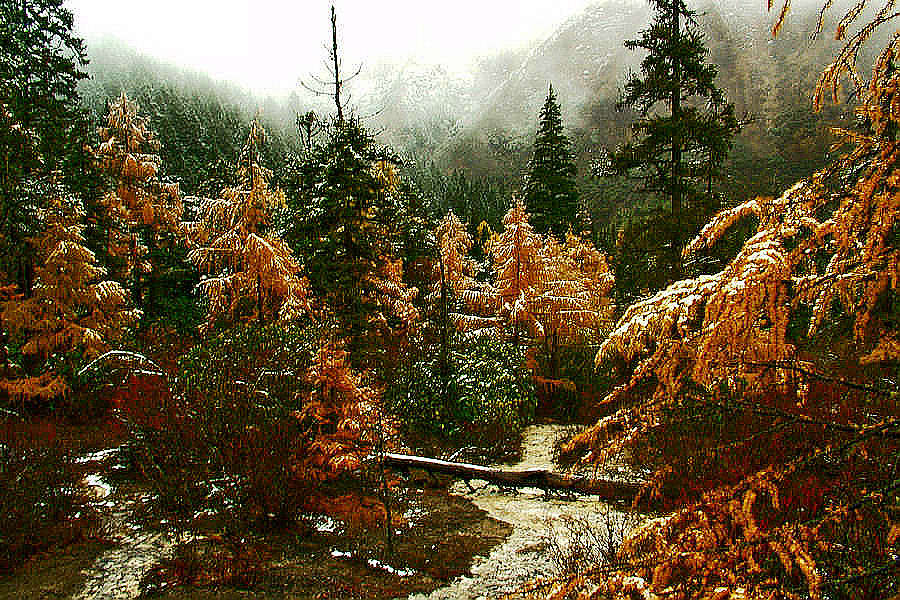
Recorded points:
(605, 489)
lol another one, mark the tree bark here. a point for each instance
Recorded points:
(538, 478)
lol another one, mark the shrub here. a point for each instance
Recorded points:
(578, 544)
(260, 421)
(489, 388)
(222, 442)
(40, 502)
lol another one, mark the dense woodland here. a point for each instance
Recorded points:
(256, 306)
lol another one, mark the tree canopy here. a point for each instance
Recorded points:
(676, 152)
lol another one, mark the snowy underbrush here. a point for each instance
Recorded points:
(42, 504)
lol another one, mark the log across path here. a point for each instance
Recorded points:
(605, 489)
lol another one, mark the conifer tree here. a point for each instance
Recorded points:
(347, 209)
(250, 272)
(41, 64)
(518, 268)
(141, 212)
(40, 67)
(18, 218)
(676, 153)
(340, 212)
(544, 294)
(550, 194)
(452, 275)
(71, 309)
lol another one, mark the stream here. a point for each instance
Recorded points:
(538, 522)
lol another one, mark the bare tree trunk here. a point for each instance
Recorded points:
(337, 66)
(538, 478)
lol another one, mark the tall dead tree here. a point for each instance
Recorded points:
(335, 84)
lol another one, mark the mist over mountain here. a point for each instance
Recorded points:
(484, 121)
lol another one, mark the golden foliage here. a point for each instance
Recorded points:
(340, 413)
(732, 326)
(71, 308)
(395, 314)
(138, 199)
(249, 272)
(573, 299)
(454, 244)
(816, 251)
(541, 289)
(41, 388)
(845, 63)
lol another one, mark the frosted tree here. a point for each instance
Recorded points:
(548, 294)
(72, 313)
(573, 304)
(140, 211)
(249, 272)
(791, 346)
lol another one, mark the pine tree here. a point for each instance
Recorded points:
(676, 153)
(347, 214)
(40, 67)
(550, 194)
(18, 218)
(452, 275)
(341, 220)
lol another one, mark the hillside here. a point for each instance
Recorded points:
(483, 122)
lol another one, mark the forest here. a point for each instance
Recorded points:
(624, 326)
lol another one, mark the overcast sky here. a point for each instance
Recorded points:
(266, 45)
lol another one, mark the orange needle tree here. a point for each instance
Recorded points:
(139, 209)
(250, 273)
(72, 313)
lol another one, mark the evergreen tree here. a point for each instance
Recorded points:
(340, 212)
(550, 193)
(677, 152)
(352, 218)
(40, 66)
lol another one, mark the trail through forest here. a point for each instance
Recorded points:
(524, 555)
(117, 573)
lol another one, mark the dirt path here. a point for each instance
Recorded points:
(524, 555)
(116, 574)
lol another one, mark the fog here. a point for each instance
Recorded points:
(436, 75)
(268, 45)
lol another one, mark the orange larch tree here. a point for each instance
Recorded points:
(140, 210)
(454, 243)
(777, 373)
(71, 309)
(572, 305)
(249, 273)
(544, 291)
(518, 271)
